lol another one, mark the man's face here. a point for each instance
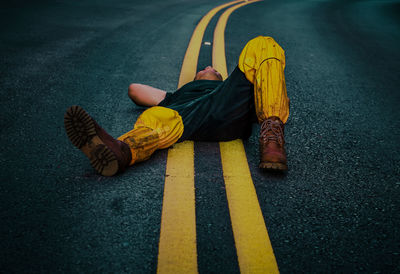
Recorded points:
(209, 73)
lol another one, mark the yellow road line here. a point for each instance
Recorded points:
(254, 249)
(177, 251)
(189, 64)
(252, 242)
(218, 54)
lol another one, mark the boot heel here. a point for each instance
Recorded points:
(103, 160)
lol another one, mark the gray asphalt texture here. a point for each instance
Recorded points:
(335, 211)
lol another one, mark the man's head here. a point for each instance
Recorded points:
(209, 73)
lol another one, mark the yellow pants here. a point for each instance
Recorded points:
(263, 62)
(156, 128)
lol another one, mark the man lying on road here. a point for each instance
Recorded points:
(206, 109)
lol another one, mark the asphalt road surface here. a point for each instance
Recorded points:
(335, 211)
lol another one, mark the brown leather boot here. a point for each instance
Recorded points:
(107, 155)
(272, 150)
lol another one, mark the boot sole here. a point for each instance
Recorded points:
(273, 166)
(81, 131)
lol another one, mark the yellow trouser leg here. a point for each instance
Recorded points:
(263, 62)
(156, 128)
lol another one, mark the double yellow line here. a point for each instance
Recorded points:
(177, 246)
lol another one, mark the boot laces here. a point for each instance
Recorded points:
(272, 131)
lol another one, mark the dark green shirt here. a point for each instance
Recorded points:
(215, 110)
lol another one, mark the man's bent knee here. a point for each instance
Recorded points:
(258, 50)
(167, 122)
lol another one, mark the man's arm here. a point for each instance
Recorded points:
(144, 95)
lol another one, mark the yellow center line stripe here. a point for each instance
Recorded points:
(253, 246)
(189, 64)
(254, 249)
(177, 248)
(218, 54)
(177, 251)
